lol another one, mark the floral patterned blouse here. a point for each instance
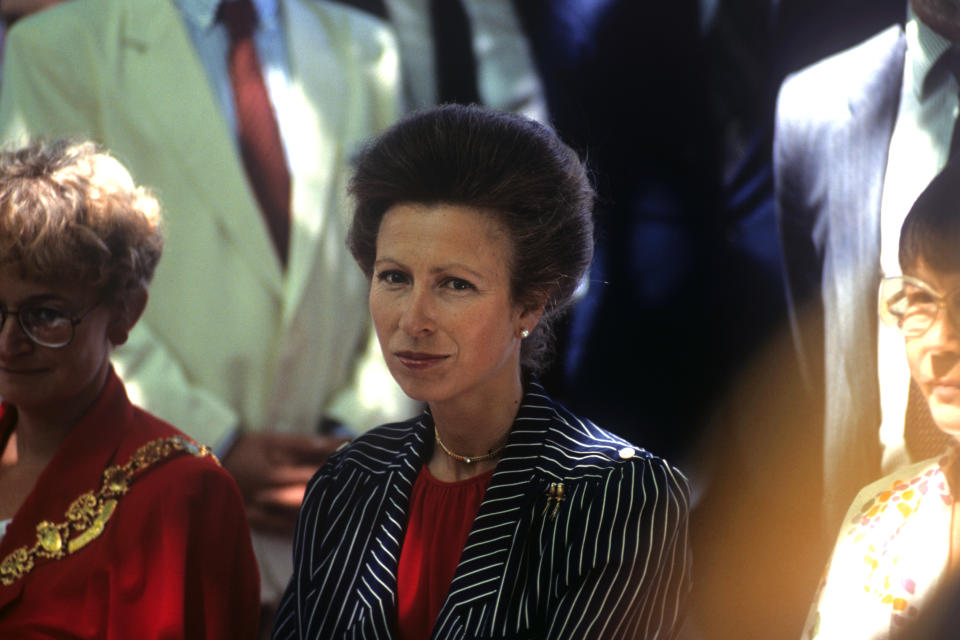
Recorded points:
(892, 552)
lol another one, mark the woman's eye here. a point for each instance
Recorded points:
(392, 277)
(920, 297)
(44, 316)
(458, 284)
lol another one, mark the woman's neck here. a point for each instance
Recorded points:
(472, 429)
(42, 429)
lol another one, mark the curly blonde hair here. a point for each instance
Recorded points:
(70, 212)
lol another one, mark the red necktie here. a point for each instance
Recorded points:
(257, 131)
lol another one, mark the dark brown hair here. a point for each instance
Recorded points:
(533, 184)
(931, 231)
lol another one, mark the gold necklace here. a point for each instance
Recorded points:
(492, 453)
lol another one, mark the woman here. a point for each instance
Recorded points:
(901, 537)
(113, 523)
(497, 513)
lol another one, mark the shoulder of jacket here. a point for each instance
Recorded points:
(376, 449)
(580, 448)
(346, 20)
(836, 77)
(74, 22)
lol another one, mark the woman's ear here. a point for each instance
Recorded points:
(530, 317)
(126, 313)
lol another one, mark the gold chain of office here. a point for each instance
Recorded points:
(88, 514)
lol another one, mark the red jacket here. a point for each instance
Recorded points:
(173, 561)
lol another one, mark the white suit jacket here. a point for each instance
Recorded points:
(228, 339)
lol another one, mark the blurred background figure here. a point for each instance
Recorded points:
(112, 522)
(242, 117)
(898, 543)
(858, 137)
(465, 51)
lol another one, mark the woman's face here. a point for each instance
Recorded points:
(34, 377)
(934, 357)
(441, 304)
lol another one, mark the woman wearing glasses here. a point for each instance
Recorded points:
(113, 524)
(901, 537)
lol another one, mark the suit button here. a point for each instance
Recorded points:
(627, 452)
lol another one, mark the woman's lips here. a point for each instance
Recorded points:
(20, 372)
(945, 388)
(419, 361)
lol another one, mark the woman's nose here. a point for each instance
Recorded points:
(417, 317)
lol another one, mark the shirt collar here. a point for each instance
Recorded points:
(202, 14)
(925, 49)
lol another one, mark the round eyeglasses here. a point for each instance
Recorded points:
(45, 326)
(912, 306)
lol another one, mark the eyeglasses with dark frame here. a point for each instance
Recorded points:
(45, 326)
(912, 306)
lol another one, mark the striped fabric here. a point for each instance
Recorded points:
(611, 562)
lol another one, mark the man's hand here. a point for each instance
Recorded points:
(272, 470)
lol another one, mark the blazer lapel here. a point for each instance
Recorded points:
(477, 591)
(861, 145)
(377, 586)
(157, 71)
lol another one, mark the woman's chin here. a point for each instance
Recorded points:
(947, 418)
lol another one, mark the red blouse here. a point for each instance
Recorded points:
(441, 516)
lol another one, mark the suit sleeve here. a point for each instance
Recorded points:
(631, 561)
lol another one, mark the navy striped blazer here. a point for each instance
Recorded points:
(611, 561)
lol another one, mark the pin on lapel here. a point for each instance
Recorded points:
(556, 493)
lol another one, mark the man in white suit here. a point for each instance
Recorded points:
(249, 354)
(858, 137)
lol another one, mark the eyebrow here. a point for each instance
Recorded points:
(434, 270)
(42, 298)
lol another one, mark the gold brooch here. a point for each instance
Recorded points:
(556, 493)
(87, 516)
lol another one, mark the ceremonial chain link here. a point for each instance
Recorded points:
(89, 513)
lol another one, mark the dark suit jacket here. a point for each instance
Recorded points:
(612, 562)
(833, 129)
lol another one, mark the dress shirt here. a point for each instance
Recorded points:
(212, 42)
(506, 73)
(919, 149)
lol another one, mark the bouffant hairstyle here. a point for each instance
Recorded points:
(70, 212)
(516, 169)
(931, 230)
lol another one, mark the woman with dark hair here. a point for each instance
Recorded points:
(900, 539)
(496, 513)
(113, 524)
